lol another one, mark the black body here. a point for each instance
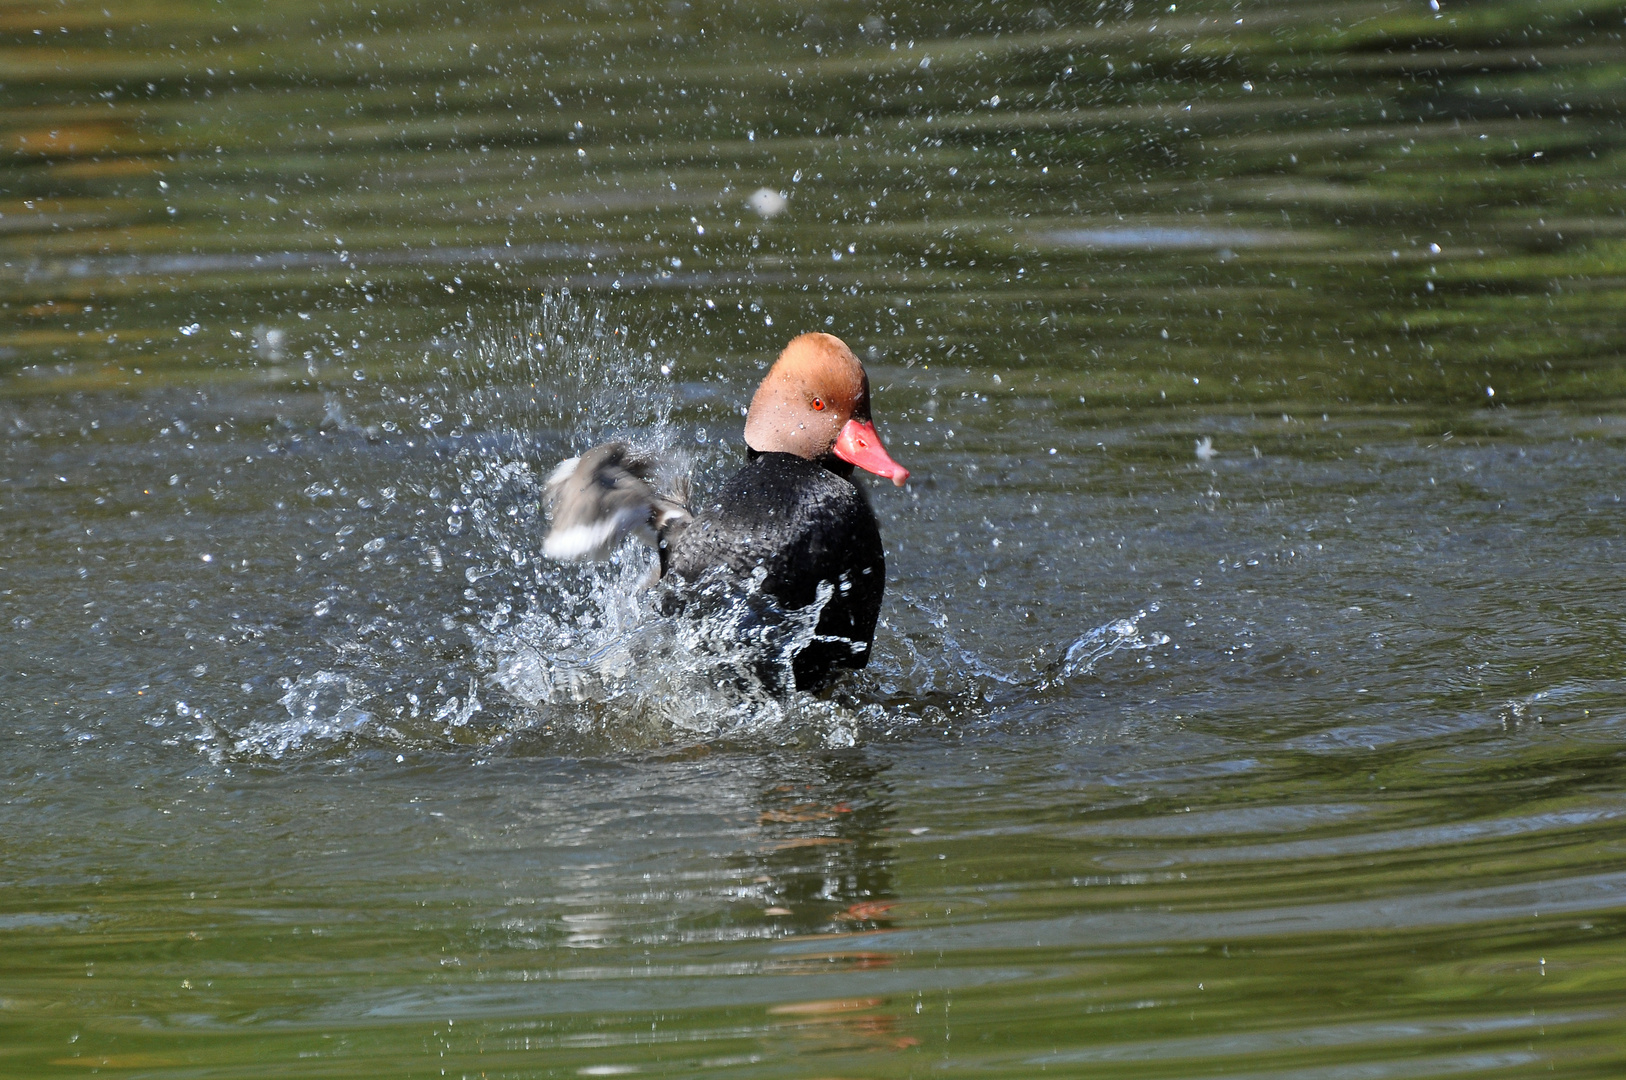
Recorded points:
(804, 522)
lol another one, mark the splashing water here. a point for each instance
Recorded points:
(323, 708)
(1091, 648)
(680, 662)
(503, 646)
(499, 411)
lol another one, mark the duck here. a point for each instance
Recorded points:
(791, 522)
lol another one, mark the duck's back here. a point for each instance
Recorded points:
(804, 525)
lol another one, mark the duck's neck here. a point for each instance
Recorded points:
(843, 469)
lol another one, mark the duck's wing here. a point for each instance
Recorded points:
(598, 499)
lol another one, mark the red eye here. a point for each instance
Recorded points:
(818, 404)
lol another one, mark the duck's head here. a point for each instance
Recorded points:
(815, 401)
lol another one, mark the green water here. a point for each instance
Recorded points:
(1305, 759)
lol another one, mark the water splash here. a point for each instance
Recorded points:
(438, 623)
(499, 643)
(324, 708)
(920, 675)
(1093, 646)
(553, 380)
(677, 663)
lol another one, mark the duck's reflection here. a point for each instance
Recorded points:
(824, 868)
(823, 865)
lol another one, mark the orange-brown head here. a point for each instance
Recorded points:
(815, 401)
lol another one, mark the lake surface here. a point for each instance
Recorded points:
(1250, 698)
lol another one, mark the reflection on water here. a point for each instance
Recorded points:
(1247, 695)
(825, 866)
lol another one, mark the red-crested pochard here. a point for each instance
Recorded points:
(792, 516)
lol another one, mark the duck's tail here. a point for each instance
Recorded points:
(598, 499)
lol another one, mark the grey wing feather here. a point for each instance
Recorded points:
(599, 499)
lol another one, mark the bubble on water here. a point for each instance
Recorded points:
(767, 202)
(270, 343)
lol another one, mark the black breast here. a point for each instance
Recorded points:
(803, 525)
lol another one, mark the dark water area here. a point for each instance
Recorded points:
(1248, 699)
